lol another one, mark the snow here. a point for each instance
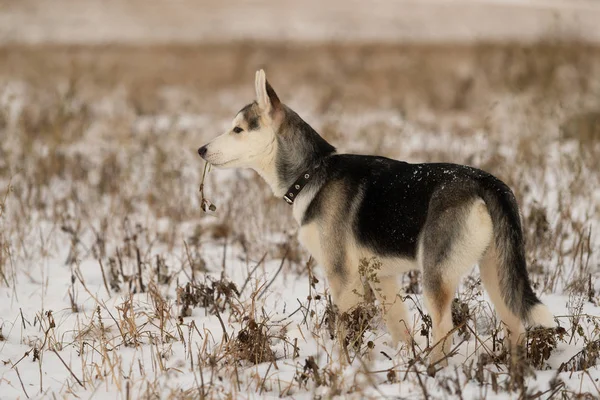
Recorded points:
(165, 362)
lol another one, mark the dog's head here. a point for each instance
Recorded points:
(252, 137)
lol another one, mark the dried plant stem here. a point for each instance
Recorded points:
(205, 204)
(104, 277)
(222, 324)
(252, 272)
(69, 369)
(21, 381)
(274, 276)
(139, 266)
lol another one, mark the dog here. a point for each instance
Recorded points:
(438, 218)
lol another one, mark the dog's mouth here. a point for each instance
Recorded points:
(223, 164)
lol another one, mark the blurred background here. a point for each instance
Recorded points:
(176, 21)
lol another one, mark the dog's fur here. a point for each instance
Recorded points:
(439, 218)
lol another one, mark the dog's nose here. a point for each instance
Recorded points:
(202, 151)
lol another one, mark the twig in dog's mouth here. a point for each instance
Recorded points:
(205, 204)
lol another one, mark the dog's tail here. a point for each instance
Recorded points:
(509, 244)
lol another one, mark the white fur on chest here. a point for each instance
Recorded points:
(310, 237)
(305, 197)
(309, 234)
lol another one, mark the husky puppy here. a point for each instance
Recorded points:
(439, 218)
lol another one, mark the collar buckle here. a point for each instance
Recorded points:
(288, 200)
(296, 187)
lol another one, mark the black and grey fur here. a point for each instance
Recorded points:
(439, 218)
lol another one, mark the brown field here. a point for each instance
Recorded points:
(100, 141)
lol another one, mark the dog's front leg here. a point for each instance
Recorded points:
(340, 265)
(346, 287)
(394, 311)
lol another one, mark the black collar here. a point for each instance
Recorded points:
(297, 186)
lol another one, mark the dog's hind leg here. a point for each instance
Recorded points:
(438, 294)
(454, 239)
(513, 327)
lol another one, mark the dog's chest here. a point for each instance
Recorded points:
(309, 237)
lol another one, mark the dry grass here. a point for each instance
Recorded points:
(98, 156)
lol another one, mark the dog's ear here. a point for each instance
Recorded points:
(265, 95)
(275, 103)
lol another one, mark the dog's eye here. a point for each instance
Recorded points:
(237, 129)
